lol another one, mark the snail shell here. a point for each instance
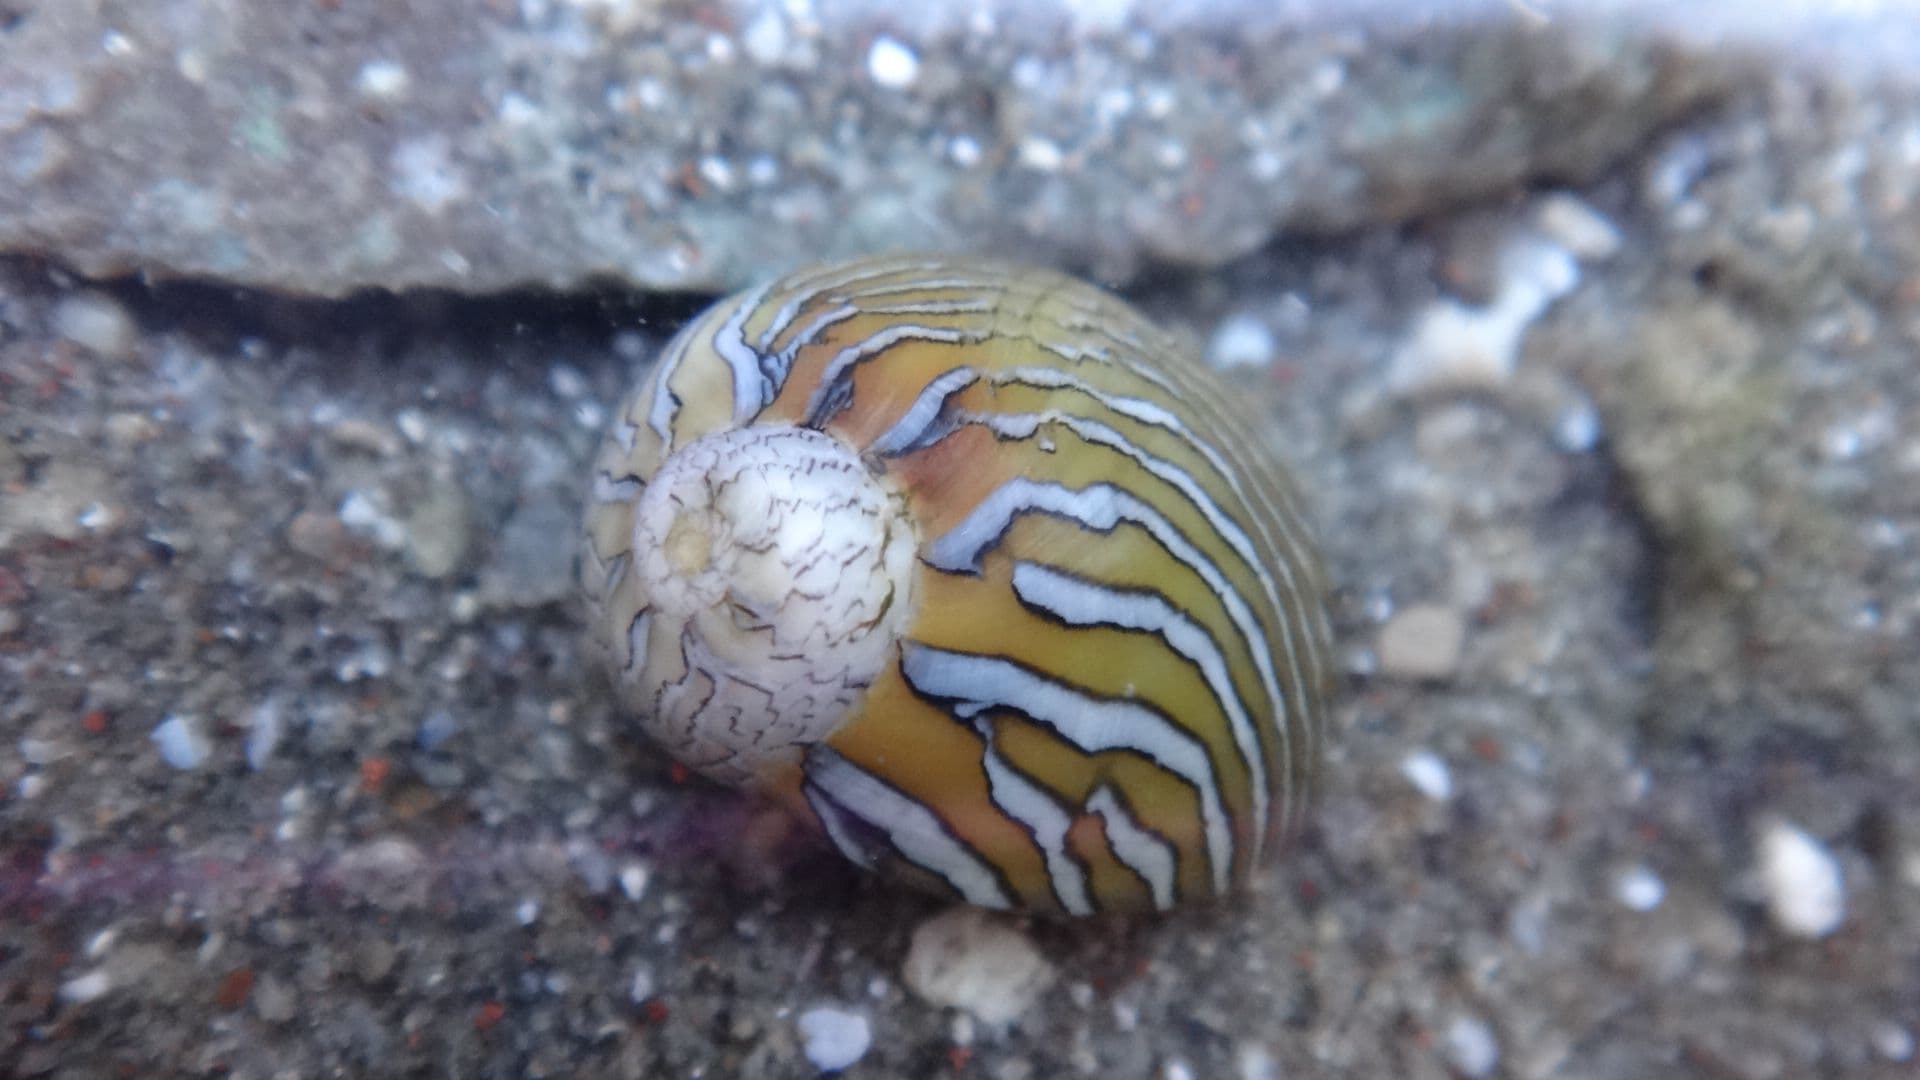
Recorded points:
(972, 567)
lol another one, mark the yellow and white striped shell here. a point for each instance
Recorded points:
(971, 566)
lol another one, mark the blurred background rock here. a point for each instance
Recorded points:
(1591, 333)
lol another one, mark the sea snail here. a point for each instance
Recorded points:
(970, 567)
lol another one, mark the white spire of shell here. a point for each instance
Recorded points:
(775, 572)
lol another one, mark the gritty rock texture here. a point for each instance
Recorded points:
(326, 147)
(1658, 815)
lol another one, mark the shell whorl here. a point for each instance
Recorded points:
(971, 567)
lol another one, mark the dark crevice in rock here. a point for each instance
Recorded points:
(225, 314)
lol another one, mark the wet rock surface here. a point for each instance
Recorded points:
(303, 771)
(327, 147)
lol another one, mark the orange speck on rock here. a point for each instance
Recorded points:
(95, 721)
(655, 1011)
(678, 773)
(959, 1057)
(485, 1017)
(12, 590)
(373, 774)
(1489, 749)
(234, 989)
(719, 21)
(689, 179)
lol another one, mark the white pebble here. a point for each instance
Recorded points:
(383, 80)
(1422, 642)
(964, 151)
(1891, 1041)
(834, 1038)
(1640, 889)
(633, 880)
(1041, 155)
(1453, 346)
(412, 424)
(1576, 226)
(1429, 775)
(97, 517)
(425, 173)
(263, 734)
(566, 382)
(1673, 172)
(717, 172)
(765, 38)
(98, 944)
(1252, 1061)
(361, 513)
(1113, 105)
(97, 322)
(1577, 429)
(527, 913)
(967, 959)
(516, 111)
(1239, 341)
(641, 988)
(1472, 1047)
(1534, 272)
(182, 744)
(85, 988)
(1805, 893)
(42, 751)
(891, 64)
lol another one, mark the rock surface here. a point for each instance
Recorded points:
(1661, 815)
(322, 148)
